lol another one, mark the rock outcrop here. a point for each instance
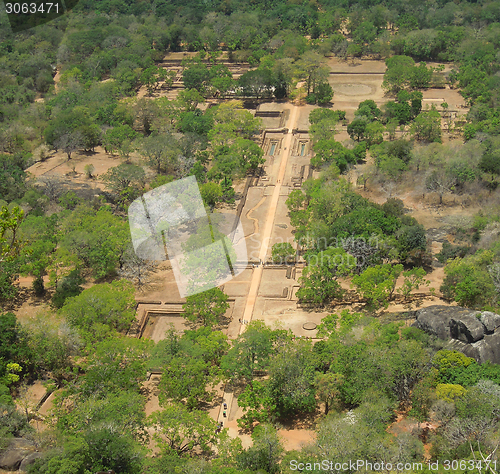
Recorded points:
(16, 452)
(29, 460)
(475, 333)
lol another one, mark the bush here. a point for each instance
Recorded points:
(38, 286)
(69, 200)
(324, 93)
(450, 251)
(393, 207)
(13, 423)
(311, 99)
(411, 238)
(468, 282)
(89, 170)
(415, 334)
(69, 286)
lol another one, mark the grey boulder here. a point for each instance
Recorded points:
(466, 328)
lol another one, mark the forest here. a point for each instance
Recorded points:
(95, 77)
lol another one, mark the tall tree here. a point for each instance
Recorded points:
(160, 152)
(206, 308)
(99, 310)
(251, 351)
(313, 70)
(319, 283)
(181, 431)
(10, 248)
(291, 378)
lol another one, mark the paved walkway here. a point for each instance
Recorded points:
(265, 239)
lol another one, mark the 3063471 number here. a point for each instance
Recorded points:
(31, 8)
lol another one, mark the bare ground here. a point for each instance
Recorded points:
(352, 82)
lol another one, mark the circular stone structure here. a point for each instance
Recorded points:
(309, 326)
(353, 89)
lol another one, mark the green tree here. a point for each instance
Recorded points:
(68, 286)
(114, 365)
(337, 324)
(420, 77)
(283, 253)
(251, 351)
(468, 282)
(123, 411)
(374, 133)
(324, 93)
(257, 403)
(356, 129)
(100, 448)
(211, 193)
(196, 76)
(185, 378)
(331, 151)
(291, 378)
(182, 431)
(151, 77)
(195, 122)
(312, 69)
(188, 99)
(319, 283)
(52, 347)
(265, 453)
(232, 121)
(10, 249)
(125, 177)
(13, 347)
(369, 110)
(365, 33)
(70, 124)
(38, 231)
(411, 241)
(427, 126)
(327, 388)
(69, 142)
(221, 80)
(376, 284)
(102, 309)
(407, 361)
(114, 137)
(206, 308)
(413, 279)
(251, 154)
(160, 152)
(90, 239)
(257, 83)
(12, 176)
(397, 75)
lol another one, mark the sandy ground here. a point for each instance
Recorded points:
(70, 174)
(265, 221)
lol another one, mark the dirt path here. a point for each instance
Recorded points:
(264, 244)
(269, 222)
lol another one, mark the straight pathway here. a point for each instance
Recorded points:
(265, 239)
(269, 222)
